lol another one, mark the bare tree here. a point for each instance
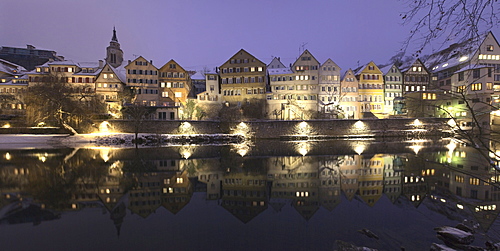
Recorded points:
(445, 21)
(138, 114)
(57, 102)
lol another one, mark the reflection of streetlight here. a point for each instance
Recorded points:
(416, 148)
(303, 147)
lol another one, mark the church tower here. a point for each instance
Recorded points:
(114, 55)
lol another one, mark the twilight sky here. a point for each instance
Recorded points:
(198, 33)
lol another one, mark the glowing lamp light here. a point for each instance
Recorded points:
(6, 125)
(186, 128)
(460, 206)
(186, 154)
(417, 122)
(303, 148)
(416, 148)
(302, 128)
(359, 149)
(242, 152)
(7, 156)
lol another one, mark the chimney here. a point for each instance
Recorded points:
(151, 61)
(129, 61)
(101, 63)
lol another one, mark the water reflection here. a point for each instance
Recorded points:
(449, 179)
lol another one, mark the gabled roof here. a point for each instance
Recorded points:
(243, 51)
(118, 71)
(330, 60)
(7, 66)
(407, 66)
(456, 54)
(171, 61)
(136, 59)
(345, 74)
(198, 75)
(306, 52)
(276, 64)
(362, 68)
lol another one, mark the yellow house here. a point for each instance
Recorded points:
(371, 90)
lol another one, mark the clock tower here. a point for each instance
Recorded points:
(114, 55)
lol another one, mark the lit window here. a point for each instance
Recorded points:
(489, 47)
(477, 86)
(105, 75)
(178, 94)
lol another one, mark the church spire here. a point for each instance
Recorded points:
(114, 39)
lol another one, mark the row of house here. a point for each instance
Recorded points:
(305, 89)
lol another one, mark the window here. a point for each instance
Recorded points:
(178, 94)
(461, 76)
(477, 86)
(489, 48)
(476, 73)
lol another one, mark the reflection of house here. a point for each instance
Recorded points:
(393, 167)
(244, 195)
(296, 178)
(176, 192)
(371, 179)
(145, 196)
(415, 185)
(329, 183)
(349, 169)
(213, 179)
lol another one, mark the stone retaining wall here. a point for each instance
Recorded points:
(278, 128)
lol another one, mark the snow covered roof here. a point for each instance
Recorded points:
(88, 64)
(9, 64)
(471, 67)
(386, 69)
(198, 75)
(358, 70)
(279, 71)
(120, 72)
(454, 55)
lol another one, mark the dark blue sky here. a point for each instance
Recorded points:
(198, 33)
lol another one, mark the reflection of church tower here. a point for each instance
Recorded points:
(114, 55)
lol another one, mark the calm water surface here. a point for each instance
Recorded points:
(267, 195)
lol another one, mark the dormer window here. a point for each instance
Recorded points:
(38, 69)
